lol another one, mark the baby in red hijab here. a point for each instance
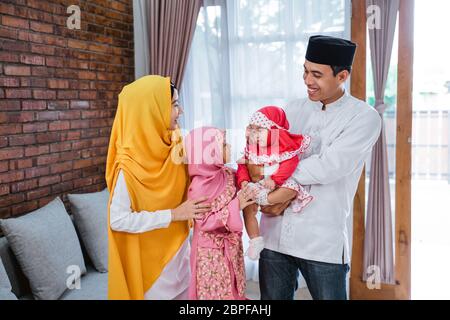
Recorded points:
(276, 152)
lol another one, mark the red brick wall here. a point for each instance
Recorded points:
(58, 96)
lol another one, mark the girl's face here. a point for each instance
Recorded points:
(226, 151)
(256, 135)
(177, 111)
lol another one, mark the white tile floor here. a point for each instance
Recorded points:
(430, 249)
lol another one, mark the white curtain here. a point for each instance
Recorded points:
(247, 54)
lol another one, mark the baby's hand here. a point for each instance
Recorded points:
(269, 183)
(241, 161)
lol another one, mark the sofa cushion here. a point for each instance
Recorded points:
(46, 245)
(6, 294)
(5, 285)
(19, 283)
(4, 279)
(90, 217)
(93, 286)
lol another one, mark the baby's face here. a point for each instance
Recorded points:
(256, 135)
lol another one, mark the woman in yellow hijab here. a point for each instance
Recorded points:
(147, 219)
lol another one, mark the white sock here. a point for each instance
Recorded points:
(256, 245)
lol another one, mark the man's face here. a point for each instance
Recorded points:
(321, 82)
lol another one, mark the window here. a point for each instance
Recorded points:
(247, 54)
(431, 152)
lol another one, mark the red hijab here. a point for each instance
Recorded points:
(281, 145)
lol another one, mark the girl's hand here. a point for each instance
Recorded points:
(191, 209)
(246, 197)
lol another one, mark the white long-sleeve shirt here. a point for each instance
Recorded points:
(174, 279)
(342, 139)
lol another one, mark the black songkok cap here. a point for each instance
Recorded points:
(331, 51)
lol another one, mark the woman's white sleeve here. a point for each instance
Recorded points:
(123, 219)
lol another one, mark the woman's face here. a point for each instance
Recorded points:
(177, 111)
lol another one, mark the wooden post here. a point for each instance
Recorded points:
(404, 150)
(402, 289)
(358, 90)
(358, 287)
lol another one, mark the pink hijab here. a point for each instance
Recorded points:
(204, 150)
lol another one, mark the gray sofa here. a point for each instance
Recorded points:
(49, 255)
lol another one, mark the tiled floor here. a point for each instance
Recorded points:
(430, 247)
(254, 294)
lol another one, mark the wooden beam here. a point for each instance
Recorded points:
(402, 289)
(358, 90)
(403, 154)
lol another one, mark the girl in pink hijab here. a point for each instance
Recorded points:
(217, 260)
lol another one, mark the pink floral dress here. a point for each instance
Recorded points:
(217, 259)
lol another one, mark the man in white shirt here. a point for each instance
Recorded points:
(343, 130)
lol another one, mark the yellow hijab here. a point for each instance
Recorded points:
(143, 147)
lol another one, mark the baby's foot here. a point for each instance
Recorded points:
(256, 245)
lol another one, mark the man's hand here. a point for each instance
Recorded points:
(281, 195)
(282, 198)
(276, 209)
